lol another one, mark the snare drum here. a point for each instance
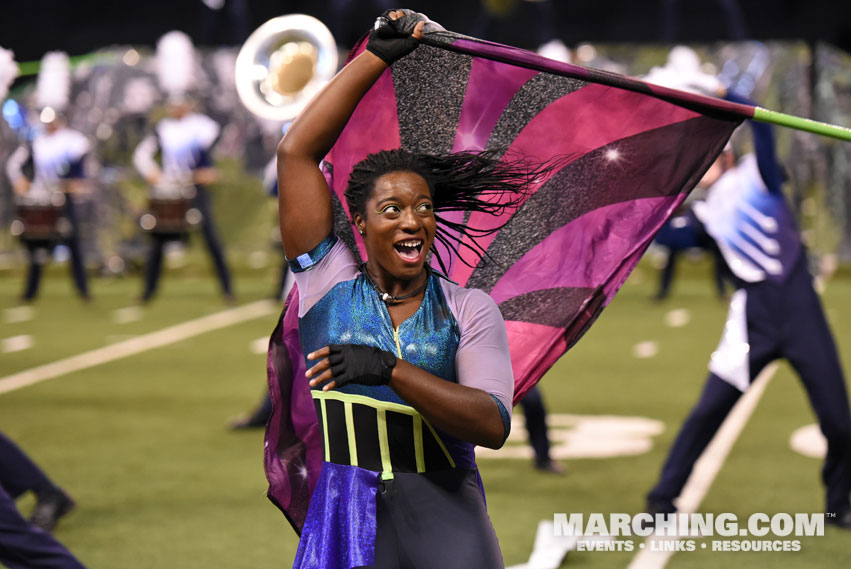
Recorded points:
(170, 214)
(40, 220)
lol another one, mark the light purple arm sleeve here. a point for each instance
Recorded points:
(483, 360)
(336, 266)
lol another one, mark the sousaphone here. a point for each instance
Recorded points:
(283, 64)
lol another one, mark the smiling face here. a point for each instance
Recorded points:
(398, 228)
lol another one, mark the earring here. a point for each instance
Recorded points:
(361, 232)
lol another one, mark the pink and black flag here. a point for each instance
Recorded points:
(628, 154)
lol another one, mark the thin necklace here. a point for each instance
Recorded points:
(389, 298)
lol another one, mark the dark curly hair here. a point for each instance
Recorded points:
(487, 181)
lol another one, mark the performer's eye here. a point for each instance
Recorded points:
(390, 209)
(425, 207)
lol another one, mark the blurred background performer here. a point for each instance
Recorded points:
(56, 157)
(774, 313)
(683, 234)
(27, 544)
(184, 139)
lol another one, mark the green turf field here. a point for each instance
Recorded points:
(141, 442)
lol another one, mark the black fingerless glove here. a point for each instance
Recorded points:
(353, 363)
(391, 40)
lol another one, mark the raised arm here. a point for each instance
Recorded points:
(304, 200)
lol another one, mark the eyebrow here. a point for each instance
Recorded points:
(396, 199)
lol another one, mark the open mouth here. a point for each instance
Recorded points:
(410, 249)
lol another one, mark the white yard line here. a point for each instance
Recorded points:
(18, 314)
(138, 344)
(708, 466)
(16, 343)
(127, 315)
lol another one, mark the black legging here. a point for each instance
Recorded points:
(434, 520)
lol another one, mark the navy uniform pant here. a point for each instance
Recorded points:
(782, 321)
(18, 473)
(153, 269)
(39, 251)
(22, 545)
(536, 425)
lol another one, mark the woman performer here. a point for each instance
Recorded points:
(409, 370)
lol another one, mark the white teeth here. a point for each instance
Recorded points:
(409, 249)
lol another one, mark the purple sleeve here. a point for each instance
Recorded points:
(317, 272)
(483, 360)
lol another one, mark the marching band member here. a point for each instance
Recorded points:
(184, 139)
(57, 155)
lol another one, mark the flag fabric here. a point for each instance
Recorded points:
(628, 154)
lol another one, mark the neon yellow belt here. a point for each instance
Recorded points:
(378, 435)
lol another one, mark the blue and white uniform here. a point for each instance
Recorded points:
(185, 144)
(774, 313)
(56, 156)
(751, 224)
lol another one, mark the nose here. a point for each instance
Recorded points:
(409, 220)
